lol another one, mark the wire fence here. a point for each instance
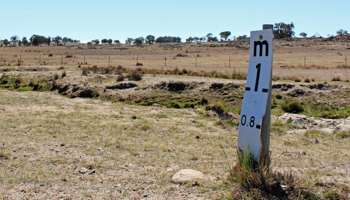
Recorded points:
(306, 66)
(166, 61)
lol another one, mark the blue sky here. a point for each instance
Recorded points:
(86, 20)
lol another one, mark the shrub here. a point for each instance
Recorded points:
(181, 55)
(292, 107)
(203, 101)
(55, 76)
(120, 78)
(336, 79)
(85, 72)
(64, 74)
(135, 76)
(307, 80)
(278, 96)
(297, 80)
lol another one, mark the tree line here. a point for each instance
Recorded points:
(280, 30)
(36, 40)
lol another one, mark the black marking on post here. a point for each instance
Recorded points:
(265, 90)
(258, 67)
(258, 126)
(261, 44)
(247, 89)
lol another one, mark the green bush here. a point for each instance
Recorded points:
(278, 96)
(292, 107)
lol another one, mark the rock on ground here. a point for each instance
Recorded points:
(187, 176)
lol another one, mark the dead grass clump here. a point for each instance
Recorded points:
(343, 67)
(181, 55)
(336, 78)
(297, 80)
(135, 76)
(239, 76)
(4, 156)
(216, 108)
(344, 134)
(85, 72)
(120, 78)
(253, 180)
(64, 74)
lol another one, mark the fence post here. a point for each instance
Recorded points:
(229, 62)
(346, 61)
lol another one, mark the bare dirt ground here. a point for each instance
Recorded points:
(54, 146)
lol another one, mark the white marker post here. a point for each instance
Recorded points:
(254, 124)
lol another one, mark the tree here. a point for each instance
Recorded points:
(282, 30)
(65, 40)
(36, 40)
(6, 42)
(24, 41)
(110, 41)
(129, 41)
(225, 34)
(104, 41)
(14, 39)
(57, 40)
(342, 32)
(189, 40)
(242, 37)
(168, 39)
(209, 35)
(96, 41)
(116, 42)
(212, 39)
(48, 41)
(150, 39)
(138, 41)
(303, 34)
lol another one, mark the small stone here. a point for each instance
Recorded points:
(169, 169)
(187, 175)
(83, 170)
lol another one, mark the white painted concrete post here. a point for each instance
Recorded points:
(254, 124)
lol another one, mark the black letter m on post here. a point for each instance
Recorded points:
(261, 44)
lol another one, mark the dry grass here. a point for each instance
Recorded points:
(132, 151)
(55, 147)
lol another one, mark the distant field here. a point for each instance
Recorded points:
(303, 58)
